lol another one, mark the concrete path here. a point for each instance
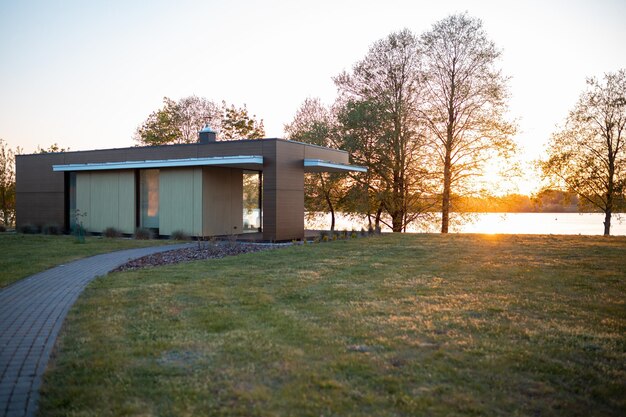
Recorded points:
(31, 314)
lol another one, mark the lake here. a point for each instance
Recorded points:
(507, 223)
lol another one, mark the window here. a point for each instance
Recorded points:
(252, 213)
(149, 198)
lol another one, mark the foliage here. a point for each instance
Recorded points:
(465, 103)
(380, 128)
(51, 149)
(7, 184)
(315, 124)
(588, 156)
(515, 326)
(180, 121)
(237, 124)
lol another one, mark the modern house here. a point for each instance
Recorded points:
(209, 188)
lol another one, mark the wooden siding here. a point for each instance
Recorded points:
(222, 201)
(180, 201)
(107, 199)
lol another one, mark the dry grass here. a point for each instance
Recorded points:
(387, 326)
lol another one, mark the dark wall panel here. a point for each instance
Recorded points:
(40, 191)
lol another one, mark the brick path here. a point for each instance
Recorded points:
(31, 314)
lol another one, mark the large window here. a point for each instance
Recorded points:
(252, 213)
(149, 198)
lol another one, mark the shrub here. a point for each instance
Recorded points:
(2, 228)
(111, 232)
(143, 234)
(179, 235)
(28, 229)
(52, 229)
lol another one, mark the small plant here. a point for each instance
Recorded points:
(79, 230)
(111, 232)
(363, 232)
(52, 229)
(353, 235)
(142, 233)
(370, 230)
(28, 229)
(179, 235)
(334, 236)
(323, 235)
(2, 228)
(325, 238)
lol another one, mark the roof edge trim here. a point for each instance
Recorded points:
(332, 166)
(163, 163)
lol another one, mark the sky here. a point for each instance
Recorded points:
(86, 74)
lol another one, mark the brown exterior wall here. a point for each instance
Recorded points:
(40, 196)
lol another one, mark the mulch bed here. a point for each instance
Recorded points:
(205, 250)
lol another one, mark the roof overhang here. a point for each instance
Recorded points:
(254, 162)
(318, 165)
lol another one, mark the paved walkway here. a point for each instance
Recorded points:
(31, 314)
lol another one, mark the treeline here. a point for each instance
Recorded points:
(547, 201)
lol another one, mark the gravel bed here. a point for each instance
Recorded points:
(207, 250)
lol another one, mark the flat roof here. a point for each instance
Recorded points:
(245, 161)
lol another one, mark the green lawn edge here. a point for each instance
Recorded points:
(23, 255)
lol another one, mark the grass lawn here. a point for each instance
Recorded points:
(400, 325)
(24, 255)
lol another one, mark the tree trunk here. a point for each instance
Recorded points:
(332, 219)
(445, 203)
(396, 222)
(607, 223)
(379, 213)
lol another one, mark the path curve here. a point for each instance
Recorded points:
(31, 314)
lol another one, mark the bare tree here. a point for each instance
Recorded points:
(387, 79)
(314, 124)
(7, 184)
(465, 103)
(588, 156)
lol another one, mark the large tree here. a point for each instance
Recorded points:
(315, 124)
(465, 103)
(588, 156)
(180, 121)
(237, 124)
(387, 81)
(7, 184)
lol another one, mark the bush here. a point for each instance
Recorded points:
(179, 235)
(111, 232)
(28, 229)
(143, 234)
(52, 229)
(2, 228)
